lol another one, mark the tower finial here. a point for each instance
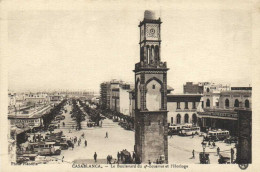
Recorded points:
(149, 14)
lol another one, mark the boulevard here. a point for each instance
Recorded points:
(180, 147)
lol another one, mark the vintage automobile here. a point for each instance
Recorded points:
(224, 158)
(204, 158)
(161, 160)
(59, 117)
(41, 159)
(45, 148)
(231, 140)
(51, 127)
(115, 120)
(64, 146)
(21, 159)
(91, 124)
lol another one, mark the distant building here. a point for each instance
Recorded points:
(132, 103)
(55, 98)
(36, 98)
(192, 88)
(182, 108)
(202, 87)
(119, 100)
(114, 95)
(11, 99)
(105, 95)
(83, 95)
(220, 110)
(215, 88)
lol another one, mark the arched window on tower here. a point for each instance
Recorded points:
(178, 118)
(142, 54)
(152, 55)
(226, 103)
(247, 103)
(156, 52)
(148, 53)
(236, 104)
(186, 118)
(138, 95)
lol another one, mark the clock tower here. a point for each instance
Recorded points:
(151, 128)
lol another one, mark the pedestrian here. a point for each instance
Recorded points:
(62, 158)
(192, 135)
(149, 162)
(101, 123)
(106, 135)
(193, 153)
(72, 146)
(86, 143)
(118, 155)
(213, 144)
(209, 143)
(95, 157)
(110, 159)
(107, 159)
(218, 150)
(232, 154)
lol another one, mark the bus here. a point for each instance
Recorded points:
(189, 131)
(218, 134)
(174, 129)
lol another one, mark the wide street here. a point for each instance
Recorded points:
(179, 148)
(118, 139)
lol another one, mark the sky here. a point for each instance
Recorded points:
(79, 49)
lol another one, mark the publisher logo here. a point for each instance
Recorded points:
(243, 166)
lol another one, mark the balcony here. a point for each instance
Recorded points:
(185, 110)
(155, 65)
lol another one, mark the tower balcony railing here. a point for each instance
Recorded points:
(151, 65)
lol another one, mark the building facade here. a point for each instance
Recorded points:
(222, 113)
(191, 88)
(132, 103)
(105, 95)
(37, 98)
(183, 108)
(151, 128)
(114, 95)
(203, 87)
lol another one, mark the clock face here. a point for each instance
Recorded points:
(152, 31)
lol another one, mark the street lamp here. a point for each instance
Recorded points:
(203, 146)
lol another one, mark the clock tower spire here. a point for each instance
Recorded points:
(151, 131)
